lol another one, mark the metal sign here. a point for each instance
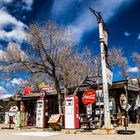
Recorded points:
(133, 85)
(49, 89)
(109, 76)
(99, 97)
(105, 37)
(89, 109)
(128, 106)
(89, 97)
(13, 110)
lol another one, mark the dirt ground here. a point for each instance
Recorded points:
(35, 134)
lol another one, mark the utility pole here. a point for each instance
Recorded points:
(103, 47)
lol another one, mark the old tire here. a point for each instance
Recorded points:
(126, 132)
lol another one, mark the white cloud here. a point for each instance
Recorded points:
(17, 33)
(5, 96)
(6, 1)
(1, 52)
(2, 91)
(28, 4)
(126, 33)
(138, 36)
(6, 18)
(133, 70)
(59, 6)
(86, 21)
(19, 81)
(23, 4)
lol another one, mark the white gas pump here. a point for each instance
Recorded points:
(71, 112)
(41, 113)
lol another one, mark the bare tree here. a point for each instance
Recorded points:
(36, 79)
(77, 68)
(47, 42)
(136, 57)
(84, 68)
(50, 53)
(11, 59)
(117, 59)
(72, 68)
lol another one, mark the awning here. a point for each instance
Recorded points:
(133, 85)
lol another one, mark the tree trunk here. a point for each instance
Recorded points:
(76, 90)
(65, 90)
(58, 96)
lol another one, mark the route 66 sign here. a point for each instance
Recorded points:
(123, 101)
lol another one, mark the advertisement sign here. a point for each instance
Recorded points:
(89, 97)
(13, 110)
(99, 97)
(89, 109)
(49, 89)
(133, 84)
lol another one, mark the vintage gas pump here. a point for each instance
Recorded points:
(42, 112)
(71, 112)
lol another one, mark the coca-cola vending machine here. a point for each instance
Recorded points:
(42, 112)
(71, 112)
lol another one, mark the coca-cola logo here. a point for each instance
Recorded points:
(89, 97)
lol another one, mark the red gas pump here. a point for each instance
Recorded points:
(71, 112)
(46, 114)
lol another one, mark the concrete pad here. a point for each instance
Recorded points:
(104, 132)
(42, 134)
(69, 131)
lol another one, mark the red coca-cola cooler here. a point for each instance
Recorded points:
(71, 112)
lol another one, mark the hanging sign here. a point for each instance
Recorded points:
(123, 101)
(49, 89)
(89, 97)
(105, 37)
(109, 76)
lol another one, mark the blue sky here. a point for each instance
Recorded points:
(121, 18)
